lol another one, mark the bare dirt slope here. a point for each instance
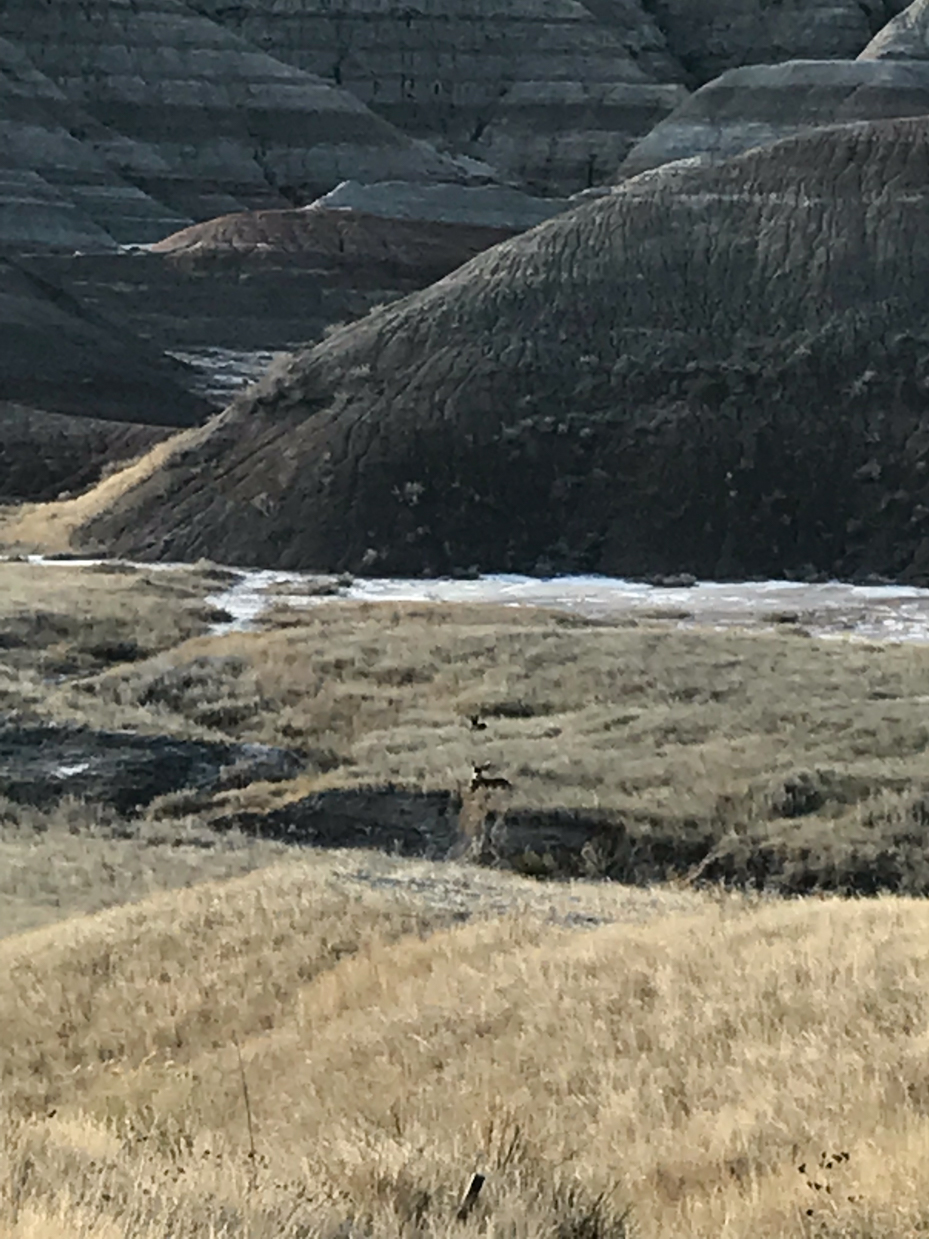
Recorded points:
(699, 372)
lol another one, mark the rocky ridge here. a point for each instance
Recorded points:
(653, 382)
(762, 104)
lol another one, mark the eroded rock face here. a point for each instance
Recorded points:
(904, 38)
(41, 763)
(763, 104)
(192, 116)
(703, 371)
(550, 95)
(709, 38)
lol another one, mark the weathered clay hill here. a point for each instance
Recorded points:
(360, 248)
(715, 369)
(120, 104)
(762, 104)
(553, 95)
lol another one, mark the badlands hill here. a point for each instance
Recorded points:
(701, 371)
(141, 115)
(552, 94)
(762, 104)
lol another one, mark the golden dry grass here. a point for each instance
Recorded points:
(662, 724)
(64, 618)
(50, 528)
(685, 1066)
(77, 858)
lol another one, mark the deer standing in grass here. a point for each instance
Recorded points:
(479, 779)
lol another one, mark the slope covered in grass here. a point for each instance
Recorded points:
(685, 1067)
(786, 760)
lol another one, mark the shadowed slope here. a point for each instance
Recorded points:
(56, 356)
(713, 369)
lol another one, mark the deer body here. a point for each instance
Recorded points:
(479, 779)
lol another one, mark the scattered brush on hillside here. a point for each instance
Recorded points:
(748, 1069)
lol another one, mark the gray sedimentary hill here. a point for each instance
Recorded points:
(719, 369)
(56, 189)
(551, 94)
(198, 119)
(762, 104)
(904, 38)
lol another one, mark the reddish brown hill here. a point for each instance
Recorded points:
(360, 246)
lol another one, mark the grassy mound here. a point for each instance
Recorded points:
(683, 1069)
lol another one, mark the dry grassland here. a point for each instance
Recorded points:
(78, 858)
(682, 1069)
(664, 1071)
(772, 745)
(61, 619)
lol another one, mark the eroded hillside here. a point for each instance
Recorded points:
(699, 372)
